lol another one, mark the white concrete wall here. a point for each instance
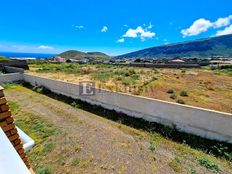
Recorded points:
(205, 123)
(11, 77)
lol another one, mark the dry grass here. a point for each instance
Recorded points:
(205, 88)
(92, 144)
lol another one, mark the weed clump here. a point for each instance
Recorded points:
(209, 165)
(184, 93)
(180, 101)
(45, 170)
(173, 96)
(152, 147)
(170, 91)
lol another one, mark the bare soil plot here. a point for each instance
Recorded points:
(70, 140)
(201, 87)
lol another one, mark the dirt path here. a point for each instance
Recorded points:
(100, 145)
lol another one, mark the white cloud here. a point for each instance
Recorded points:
(79, 26)
(104, 29)
(125, 25)
(227, 30)
(199, 26)
(150, 26)
(139, 32)
(223, 22)
(202, 25)
(45, 47)
(121, 40)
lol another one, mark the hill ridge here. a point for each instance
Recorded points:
(201, 48)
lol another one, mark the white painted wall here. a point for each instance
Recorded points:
(203, 122)
(10, 161)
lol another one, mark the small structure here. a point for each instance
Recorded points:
(59, 59)
(81, 61)
(177, 61)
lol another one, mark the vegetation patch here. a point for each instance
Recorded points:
(4, 59)
(175, 164)
(209, 165)
(184, 94)
(41, 131)
(180, 101)
(170, 91)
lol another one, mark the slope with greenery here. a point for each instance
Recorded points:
(73, 54)
(2, 58)
(204, 48)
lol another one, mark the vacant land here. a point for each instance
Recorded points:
(70, 140)
(211, 89)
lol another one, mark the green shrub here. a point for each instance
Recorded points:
(155, 70)
(152, 147)
(44, 170)
(126, 81)
(75, 162)
(183, 93)
(175, 164)
(154, 78)
(183, 71)
(48, 148)
(209, 165)
(173, 96)
(180, 101)
(226, 67)
(170, 91)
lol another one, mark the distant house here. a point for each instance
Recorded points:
(221, 62)
(81, 61)
(177, 61)
(59, 59)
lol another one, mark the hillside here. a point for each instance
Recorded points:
(4, 59)
(215, 46)
(73, 54)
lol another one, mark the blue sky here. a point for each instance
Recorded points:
(114, 27)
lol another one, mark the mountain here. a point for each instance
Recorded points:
(203, 48)
(73, 54)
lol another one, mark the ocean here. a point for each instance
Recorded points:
(26, 55)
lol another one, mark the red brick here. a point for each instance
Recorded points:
(18, 147)
(3, 101)
(4, 108)
(2, 124)
(17, 142)
(13, 131)
(23, 155)
(8, 134)
(8, 127)
(25, 158)
(10, 120)
(5, 115)
(21, 151)
(13, 137)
